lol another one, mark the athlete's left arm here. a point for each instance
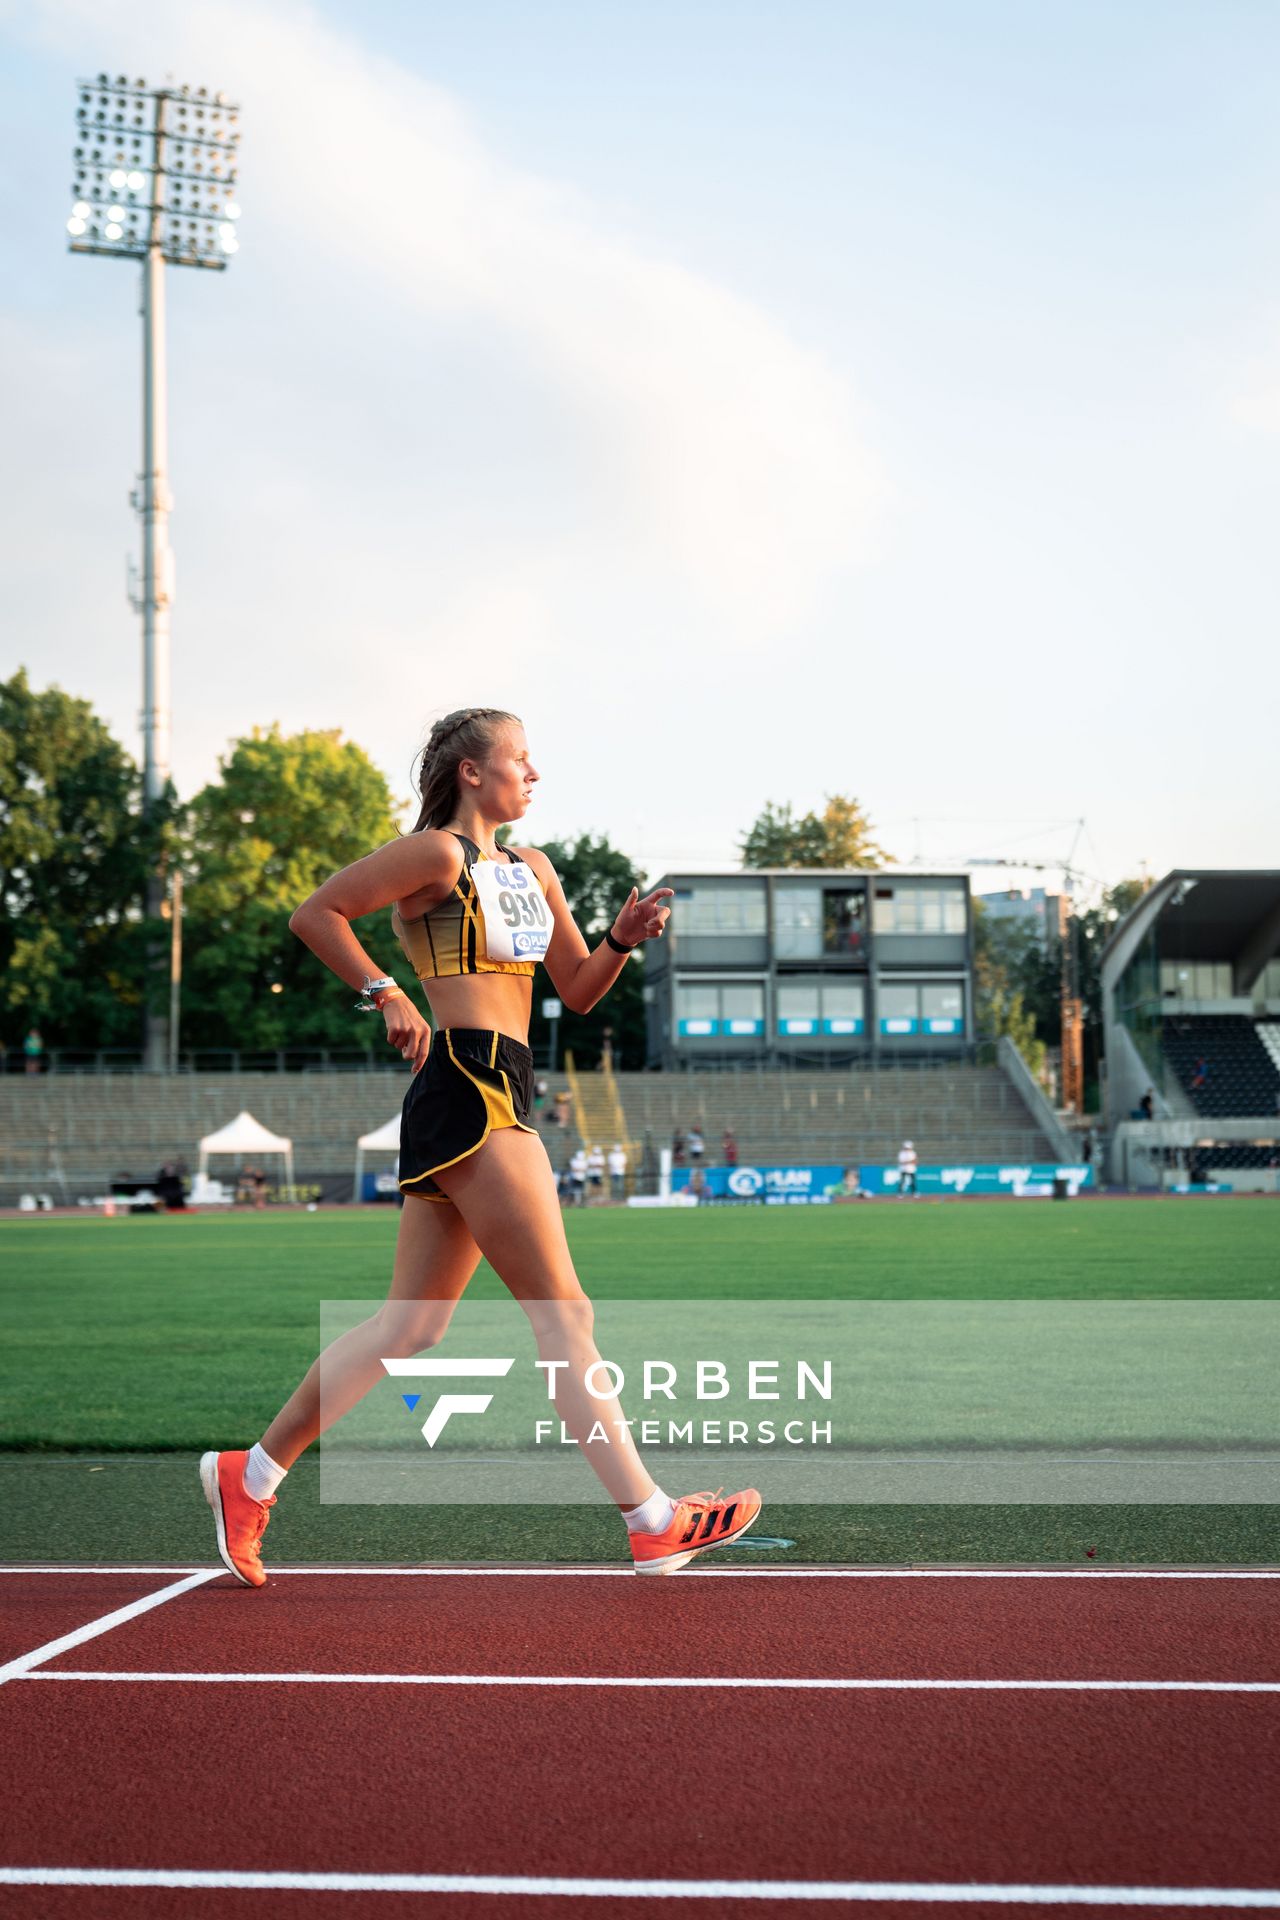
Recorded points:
(579, 976)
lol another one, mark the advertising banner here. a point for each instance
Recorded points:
(819, 1185)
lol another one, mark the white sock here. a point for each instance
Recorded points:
(652, 1515)
(261, 1474)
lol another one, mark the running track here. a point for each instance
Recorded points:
(734, 1741)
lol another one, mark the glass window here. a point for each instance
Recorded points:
(900, 1009)
(844, 911)
(742, 1009)
(843, 1006)
(797, 1002)
(797, 922)
(942, 1007)
(697, 1009)
(720, 907)
(919, 910)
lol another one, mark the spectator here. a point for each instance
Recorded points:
(677, 1148)
(33, 1047)
(1200, 1077)
(697, 1146)
(618, 1170)
(606, 1051)
(564, 1101)
(578, 1177)
(729, 1147)
(698, 1184)
(1147, 1104)
(169, 1188)
(595, 1172)
(539, 1095)
(908, 1168)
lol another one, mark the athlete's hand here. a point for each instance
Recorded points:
(406, 1028)
(643, 919)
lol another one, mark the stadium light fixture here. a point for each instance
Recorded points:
(154, 180)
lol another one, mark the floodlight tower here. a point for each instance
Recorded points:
(154, 181)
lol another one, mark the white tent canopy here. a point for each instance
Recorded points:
(382, 1140)
(245, 1135)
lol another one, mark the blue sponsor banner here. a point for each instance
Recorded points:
(777, 1186)
(819, 1185)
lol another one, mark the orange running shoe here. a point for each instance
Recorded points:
(241, 1521)
(701, 1521)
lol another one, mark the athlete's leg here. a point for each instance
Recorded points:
(506, 1194)
(435, 1257)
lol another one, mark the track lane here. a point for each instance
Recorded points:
(993, 1629)
(1146, 1789)
(36, 1608)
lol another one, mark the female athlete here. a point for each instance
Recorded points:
(473, 919)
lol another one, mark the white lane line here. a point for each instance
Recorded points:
(16, 1669)
(762, 1682)
(965, 1892)
(727, 1573)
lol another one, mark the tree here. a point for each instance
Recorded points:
(1007, 958)
(596, 879)
(286, 811)
(840, 836)
(74, 856)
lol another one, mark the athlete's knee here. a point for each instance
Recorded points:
(405, 1327)
(572, 1316)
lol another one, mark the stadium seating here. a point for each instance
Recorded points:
(101, 1125)
(1225, 1063)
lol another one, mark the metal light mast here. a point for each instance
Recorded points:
(154, 181)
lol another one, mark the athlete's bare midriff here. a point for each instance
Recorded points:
(495, 1001)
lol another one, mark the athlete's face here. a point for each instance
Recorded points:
(510, 774)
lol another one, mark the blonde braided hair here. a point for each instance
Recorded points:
(467, 734)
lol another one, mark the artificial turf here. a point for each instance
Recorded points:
(134, 1342)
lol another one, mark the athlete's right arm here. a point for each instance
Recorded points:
(421, 863)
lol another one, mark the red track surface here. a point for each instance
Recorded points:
(1081, 1788)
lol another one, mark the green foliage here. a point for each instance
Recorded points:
(1012, 972)
(285, 812)
(840, 836)
(74, 855)
(596, 879)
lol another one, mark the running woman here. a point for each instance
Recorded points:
(473, 919)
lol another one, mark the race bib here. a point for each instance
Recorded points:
(517, 919)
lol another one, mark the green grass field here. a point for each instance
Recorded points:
(134, 1343)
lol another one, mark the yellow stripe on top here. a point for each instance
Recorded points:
(449, 941)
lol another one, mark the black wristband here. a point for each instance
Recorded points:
(617, 944)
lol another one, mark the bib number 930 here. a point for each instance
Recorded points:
(517, 920)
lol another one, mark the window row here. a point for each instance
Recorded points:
(812, 922)
(716, 1009)
(919, 910)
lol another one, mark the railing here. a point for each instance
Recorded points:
(77, 1060)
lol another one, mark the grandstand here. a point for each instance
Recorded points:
(71, 1133)
(1191, 1006)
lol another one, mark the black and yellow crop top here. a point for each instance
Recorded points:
(450, 939)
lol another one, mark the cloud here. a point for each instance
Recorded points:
(710, 450)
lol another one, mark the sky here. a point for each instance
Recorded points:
(762, 402)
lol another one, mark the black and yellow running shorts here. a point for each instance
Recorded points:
(475, 1080)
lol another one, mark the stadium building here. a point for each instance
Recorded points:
(789, 964)
(1191, 1014)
